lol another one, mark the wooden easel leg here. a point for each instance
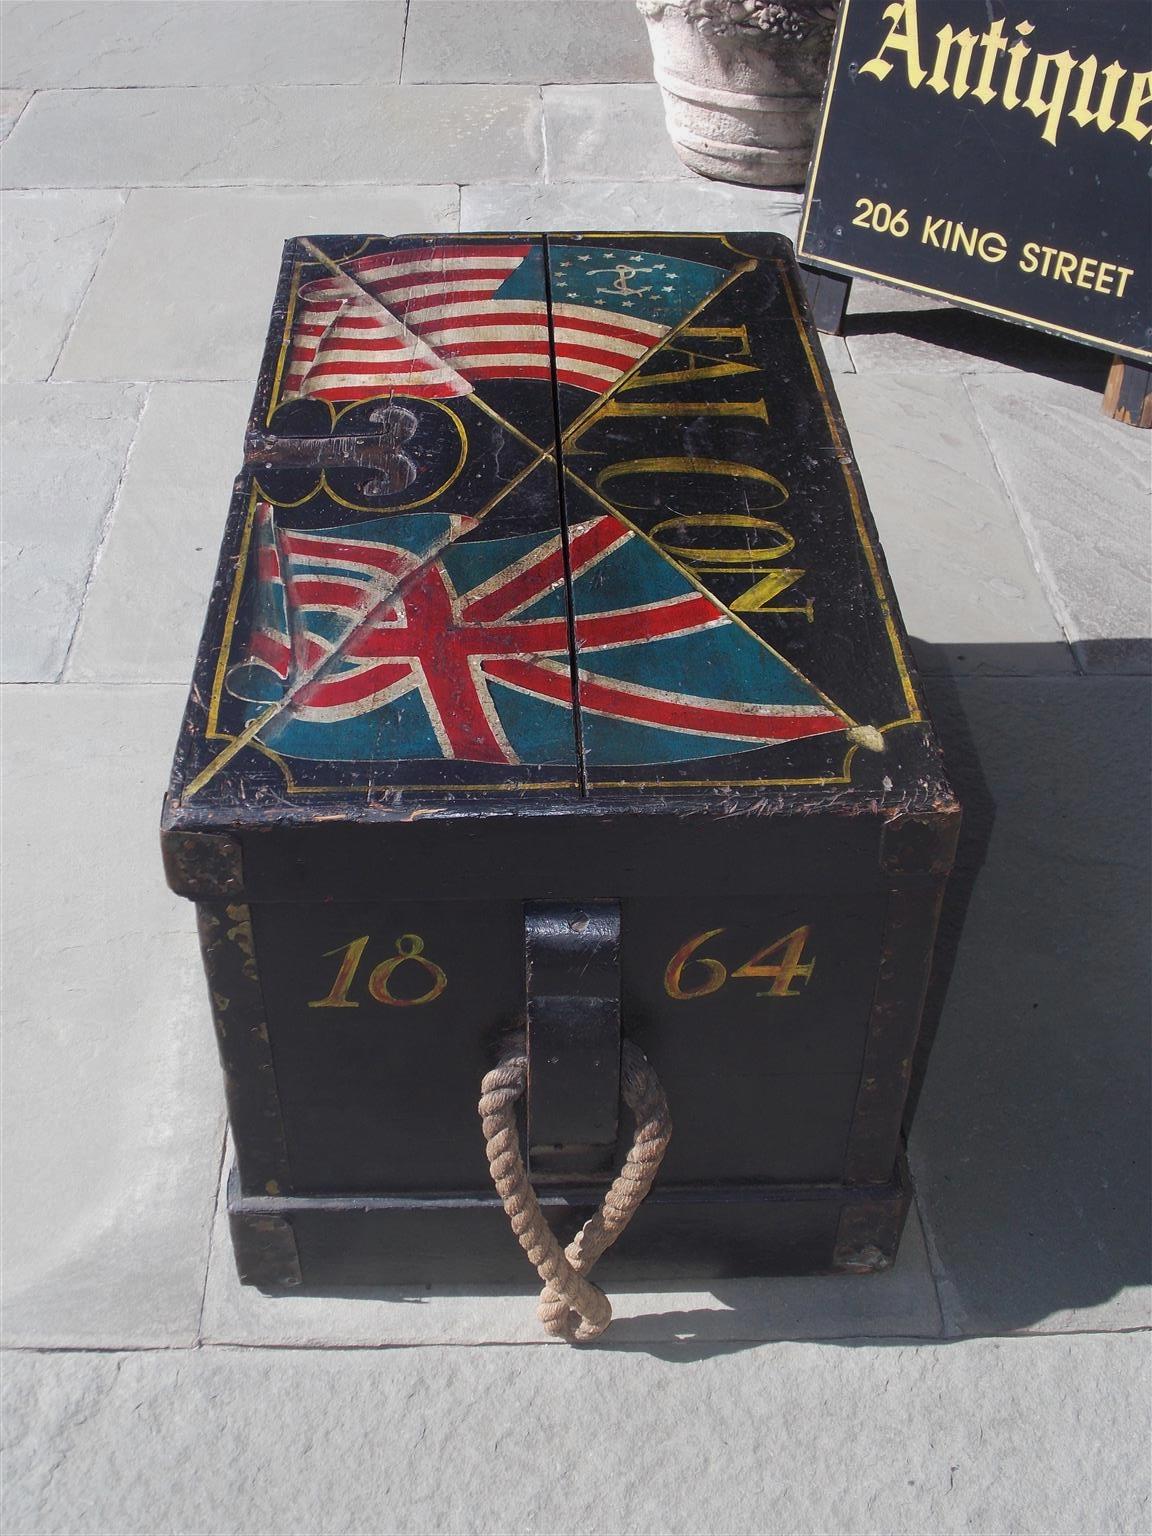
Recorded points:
(1128, 392)
(827, 299)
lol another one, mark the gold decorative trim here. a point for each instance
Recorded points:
(669, 784)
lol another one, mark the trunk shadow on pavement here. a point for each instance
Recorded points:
(979, 336)
(1033, 1117)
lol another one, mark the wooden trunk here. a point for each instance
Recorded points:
(552, 678)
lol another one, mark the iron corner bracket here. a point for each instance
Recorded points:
(204, 866)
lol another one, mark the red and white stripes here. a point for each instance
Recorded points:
(426, 322)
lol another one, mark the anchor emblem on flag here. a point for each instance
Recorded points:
(623, 274)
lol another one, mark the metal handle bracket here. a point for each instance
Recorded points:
(572, 983)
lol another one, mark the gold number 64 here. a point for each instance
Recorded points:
(789, 968)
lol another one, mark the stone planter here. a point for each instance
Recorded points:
(742, 81)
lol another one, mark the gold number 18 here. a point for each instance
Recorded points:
(409, 947)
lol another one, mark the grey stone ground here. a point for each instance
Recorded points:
(997, 1379)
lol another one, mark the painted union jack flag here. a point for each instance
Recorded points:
(432, 320)
(387, 640)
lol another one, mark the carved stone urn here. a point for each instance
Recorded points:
(742, 81)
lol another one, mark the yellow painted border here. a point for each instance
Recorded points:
(213, 733)
(212, 730)
(1104, 342)
(898, 652)
(289, 316)
(833, 74)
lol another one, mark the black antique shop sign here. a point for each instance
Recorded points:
(995, 153)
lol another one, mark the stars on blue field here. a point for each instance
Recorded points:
(658, 288)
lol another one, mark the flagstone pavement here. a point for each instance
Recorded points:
(997, 1379)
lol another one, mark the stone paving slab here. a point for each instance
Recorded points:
(12, 103)
(528, 40)
(963, 572)
(1082, 485)
(161, 552)
(278, 135)
(1043, 1436)
(596, 131)
(218, 251)
(900, 1303)
(695, 206)
(113, 1107)
(52, 243)
(64, 451)
(214, 42)
(1030, 1143)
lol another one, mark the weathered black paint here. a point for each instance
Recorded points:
(366, 945)
(572, 1011)
(705, 1233)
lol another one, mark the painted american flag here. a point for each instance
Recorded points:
(385, 640)
(433, 321)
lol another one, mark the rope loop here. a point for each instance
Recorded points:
(571, 1306)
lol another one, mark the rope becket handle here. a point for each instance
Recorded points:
(571, 1307)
